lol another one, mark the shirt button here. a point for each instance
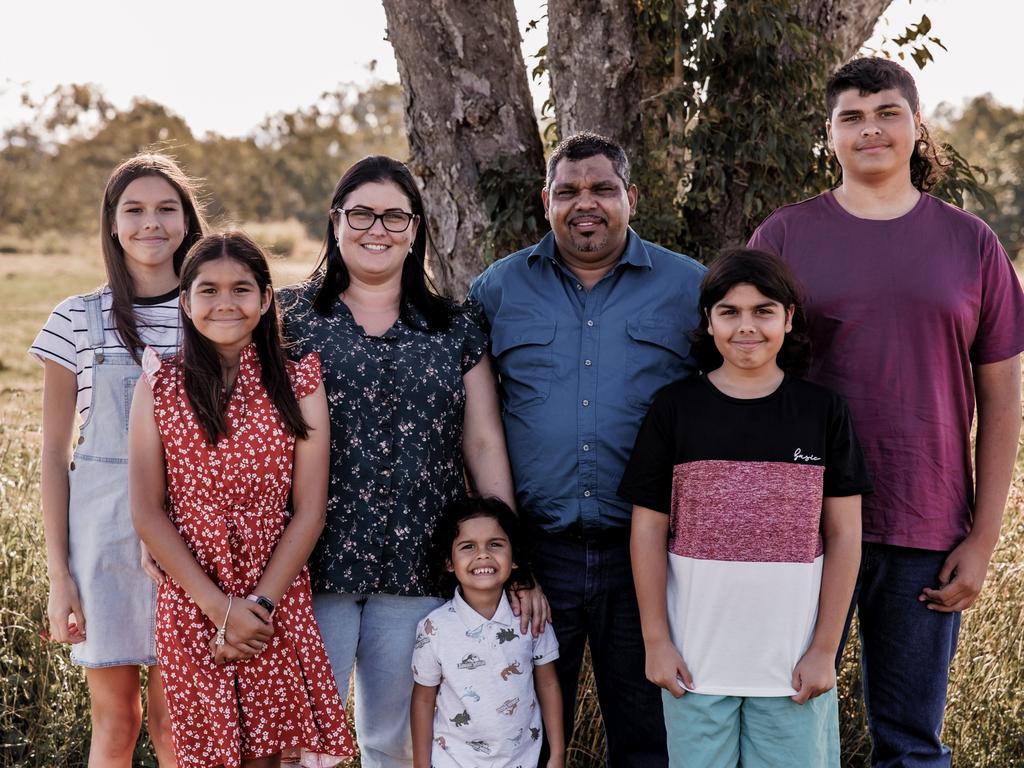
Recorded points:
(590, 323)
(586, 446)
(586, 403)
(81, 439)
(587, 363)
(579, 287)
(586, 493)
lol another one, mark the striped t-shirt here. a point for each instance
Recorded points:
(65, 337)
(743, 482)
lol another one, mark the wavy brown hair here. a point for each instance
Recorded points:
(122, 287)
(200, 362)
(872, 74)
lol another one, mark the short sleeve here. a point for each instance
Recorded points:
(764, 237)
(647, 481)
(545, 647)
(56, 339)
(474, 342)
(304, 375)
(846, 473)
(426, 667)
(151, 365)
(1000, 333)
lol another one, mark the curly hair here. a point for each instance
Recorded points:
(447, 530)
(769, 275)
(871, 74)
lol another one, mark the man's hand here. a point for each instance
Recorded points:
(665, 668)
(814, 675)
(531, 607)
(960, 579)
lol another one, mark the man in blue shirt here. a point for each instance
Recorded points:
(586, 326)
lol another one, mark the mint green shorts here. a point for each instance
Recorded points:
(752, 732)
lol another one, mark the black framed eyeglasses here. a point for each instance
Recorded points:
(361, 218)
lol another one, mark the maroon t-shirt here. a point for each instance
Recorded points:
(899, 311)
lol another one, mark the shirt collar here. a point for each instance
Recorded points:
(472, 619)
(635, 254)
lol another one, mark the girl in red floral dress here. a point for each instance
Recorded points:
(219, 438)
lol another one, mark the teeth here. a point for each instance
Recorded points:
(375, 247)
(482, 571)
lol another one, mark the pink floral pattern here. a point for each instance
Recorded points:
(229, 502)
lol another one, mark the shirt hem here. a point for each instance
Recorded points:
(944, 544)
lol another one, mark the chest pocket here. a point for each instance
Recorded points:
(657, 356)
(525, 359)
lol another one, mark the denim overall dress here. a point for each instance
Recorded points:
(118, 598)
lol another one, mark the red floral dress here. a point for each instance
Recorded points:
(229, 503)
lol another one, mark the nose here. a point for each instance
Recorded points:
(870, 128)
(378, 226)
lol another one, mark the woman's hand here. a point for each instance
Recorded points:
(61, 606)
(228, 654)
(532, 608)
(151, 566)
(249, 627)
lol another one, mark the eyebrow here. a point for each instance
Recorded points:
(762, 305)
(879, 108)
(245, 281)
(362, 207)
(169, 200)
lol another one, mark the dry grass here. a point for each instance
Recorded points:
(43, 701)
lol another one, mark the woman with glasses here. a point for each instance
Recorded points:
(413, 409)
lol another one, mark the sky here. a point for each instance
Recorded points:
(224, 64)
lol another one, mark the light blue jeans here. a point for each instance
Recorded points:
(376, 633)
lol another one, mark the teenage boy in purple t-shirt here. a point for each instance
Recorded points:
(915, 313)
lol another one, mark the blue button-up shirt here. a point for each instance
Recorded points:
(578, 370)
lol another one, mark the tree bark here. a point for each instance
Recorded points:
(840, 27)
(472, 132)
(593, 58)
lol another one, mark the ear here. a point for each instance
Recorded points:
(917, 123)
(632, 195)
(711, 328)
(185, 305)
(448, 565)
(790, 311)
(828, 133)
(546, 200)
(268, 296)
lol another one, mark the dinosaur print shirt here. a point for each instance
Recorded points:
(487, 712)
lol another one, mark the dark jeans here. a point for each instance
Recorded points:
(590, 588)
(906, 651)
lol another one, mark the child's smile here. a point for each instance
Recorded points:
(481, 558)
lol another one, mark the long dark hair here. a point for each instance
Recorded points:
(418, 291)
(122, 288)
(871, 74)
(468, 508)
(769, 275)
(203, 370)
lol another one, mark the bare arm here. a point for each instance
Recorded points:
(309, 496)
(815, 673)
(963, 574)
(421, 718)
(483, 436)
(248, 625)
(549, 695)
(60, 393)
(648, 550)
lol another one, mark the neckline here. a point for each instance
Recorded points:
(746, 400)
(150, 301)
(830, 199)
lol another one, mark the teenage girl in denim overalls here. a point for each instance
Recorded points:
(100, 599)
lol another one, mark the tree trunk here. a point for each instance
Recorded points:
(475, 148)
(593, 58)
(840, 27)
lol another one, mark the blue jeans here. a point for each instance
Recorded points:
(906, 651)
(377, 633)
(590, 588)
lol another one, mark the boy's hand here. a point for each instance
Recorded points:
(960, 579)
(665, 668)
(814, 675)
(556, 761)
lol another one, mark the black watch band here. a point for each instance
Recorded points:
(263, 602)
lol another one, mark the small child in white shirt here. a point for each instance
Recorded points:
(479, 678)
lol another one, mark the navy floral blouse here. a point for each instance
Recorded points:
(396, 403)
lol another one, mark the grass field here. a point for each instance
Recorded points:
(43, 701)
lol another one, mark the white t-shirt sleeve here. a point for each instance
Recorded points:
(545, 647)
(426, 666)
(56, 340)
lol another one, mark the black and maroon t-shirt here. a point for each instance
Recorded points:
(743, 481)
